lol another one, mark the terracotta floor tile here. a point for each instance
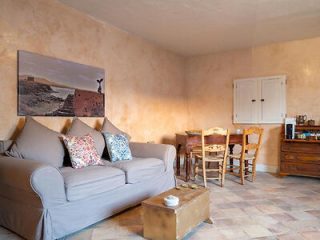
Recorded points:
(290, 236)
(270, 208)
(256, 231)
(301, 215)
(234, 233)
(282, 217)
(315, 213)
(311, 235)
(278, 229)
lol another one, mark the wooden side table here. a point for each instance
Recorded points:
(165, 223)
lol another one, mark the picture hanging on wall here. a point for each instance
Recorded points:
(49, 86)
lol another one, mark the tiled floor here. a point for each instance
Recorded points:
(270, 208)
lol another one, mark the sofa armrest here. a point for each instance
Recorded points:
(33, 177)
(5, 145)
(165, 152)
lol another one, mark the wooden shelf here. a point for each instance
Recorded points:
(301, 141)
(307, 128)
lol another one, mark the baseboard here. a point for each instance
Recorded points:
(266, 168)
(259, 167)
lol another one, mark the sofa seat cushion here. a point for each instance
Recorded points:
(139, 169)
(92, 180)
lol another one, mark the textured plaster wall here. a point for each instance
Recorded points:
(209, 82)
(144, 87)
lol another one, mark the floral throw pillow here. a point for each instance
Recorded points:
(118, 147)
(82, 151)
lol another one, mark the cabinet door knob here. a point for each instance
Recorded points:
(262, 100)
(253, 100)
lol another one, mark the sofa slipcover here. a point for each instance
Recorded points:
(140, 169)
(92, 180)
(34, 202)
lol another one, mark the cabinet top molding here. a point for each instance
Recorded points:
(282, 77)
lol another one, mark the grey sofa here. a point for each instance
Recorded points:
(39, 201)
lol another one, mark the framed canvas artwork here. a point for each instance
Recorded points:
(49, 86)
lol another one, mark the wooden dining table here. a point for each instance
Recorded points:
(188, 141)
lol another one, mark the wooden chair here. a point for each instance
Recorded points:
(211, 153)
(247, 159)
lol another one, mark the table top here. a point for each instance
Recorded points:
(198, 134)
(185, 196)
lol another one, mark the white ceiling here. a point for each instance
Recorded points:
(193, 27)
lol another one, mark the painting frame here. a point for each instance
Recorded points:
(49, 86)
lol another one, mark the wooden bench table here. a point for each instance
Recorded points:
(162, 222)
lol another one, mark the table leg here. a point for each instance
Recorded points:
(188, 167)
(231, 146)
(178, 160)
(209, 220)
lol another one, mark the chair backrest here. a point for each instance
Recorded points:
(208, 144)
(246, 146)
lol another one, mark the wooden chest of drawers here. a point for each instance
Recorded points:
(300, 157)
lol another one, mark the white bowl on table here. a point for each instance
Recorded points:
(171, 201)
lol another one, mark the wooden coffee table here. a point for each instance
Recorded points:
(162, 222)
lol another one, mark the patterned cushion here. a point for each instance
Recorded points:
(82, 151)
(79, 128)
(118, 147)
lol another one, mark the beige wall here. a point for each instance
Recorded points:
(144, 86)
(209, 82)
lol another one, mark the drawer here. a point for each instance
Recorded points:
(300, 157)
(300, 169)
(300, 147)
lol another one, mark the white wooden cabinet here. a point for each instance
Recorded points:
(259, 100)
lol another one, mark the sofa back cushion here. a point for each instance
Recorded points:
(107, 126)
(37, 142)
(79, 129)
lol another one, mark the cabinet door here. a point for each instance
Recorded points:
(273, 98)
(245, 101)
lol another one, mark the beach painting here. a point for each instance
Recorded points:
(49, 86)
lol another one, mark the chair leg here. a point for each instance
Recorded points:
(241, 171)
(219, 172)
(253, 170)
(204, 172)
(196, 168)
(246, 170)
(224, 163)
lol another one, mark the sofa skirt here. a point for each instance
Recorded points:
(58, 221)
